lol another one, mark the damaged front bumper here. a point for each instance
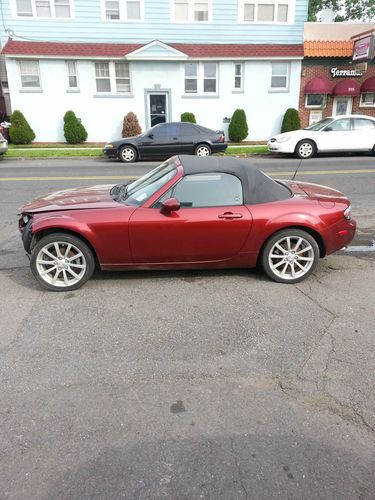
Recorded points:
(25, 225)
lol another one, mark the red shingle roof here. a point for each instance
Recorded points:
(328, 48)
(57, 49)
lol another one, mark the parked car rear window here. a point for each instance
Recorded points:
(363, 124)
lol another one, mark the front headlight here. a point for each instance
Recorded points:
(348, 213)
(283, 139)
(108, 146)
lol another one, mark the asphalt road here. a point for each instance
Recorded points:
(184, 385)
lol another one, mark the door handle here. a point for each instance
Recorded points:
(230, 215)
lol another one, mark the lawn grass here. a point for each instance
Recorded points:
(54, 145)
(49, 152)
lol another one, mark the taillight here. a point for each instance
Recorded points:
(348, 213)
(222, 138)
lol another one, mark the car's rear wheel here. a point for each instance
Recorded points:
(290, 256)
(62, 262)
(202, 150)
(128, 154)
(305, 149)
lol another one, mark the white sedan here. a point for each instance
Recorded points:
(334, 134)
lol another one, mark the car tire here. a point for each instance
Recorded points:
(290, 256)
(128, 154)
(62, 262)
(305, 149)
(203, 150)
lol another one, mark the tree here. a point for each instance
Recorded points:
(74, 131)
(20, 131)
(291, 121)
(238, 129)
(188, 117)
(130, 125)
(346, 10)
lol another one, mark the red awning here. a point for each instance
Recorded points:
(368, 85)
(318, 85)
(346, 87)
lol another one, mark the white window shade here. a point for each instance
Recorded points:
(201, 11)
(181, 10)
(133, 10)
(43, 8)
(24, 8)
(62, 8)
(112, 10)
(29, 71)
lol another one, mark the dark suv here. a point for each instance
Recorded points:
(167, 139)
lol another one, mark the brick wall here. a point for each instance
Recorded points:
(321, 68)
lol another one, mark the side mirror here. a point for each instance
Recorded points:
(170, 205)
(151, 136)
(328, 129)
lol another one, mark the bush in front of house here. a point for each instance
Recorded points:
(188, 117)
(20, 131)
(130, 125)
(291, 121)
(238, 129)
(74, 131)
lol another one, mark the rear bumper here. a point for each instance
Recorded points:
(340, 235)
(219, 147)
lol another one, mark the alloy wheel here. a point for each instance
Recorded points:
(128, 154)
(305, 150)
(291, 257)
(203, 151)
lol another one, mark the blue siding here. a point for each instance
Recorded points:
(87, 26)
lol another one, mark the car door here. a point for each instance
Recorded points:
(212, 224)
(161, 141)
(337, 136)
(363, 134)
(189, 137)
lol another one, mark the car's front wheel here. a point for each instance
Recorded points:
(202, 150)
(128, 154)
(62, 262)
(290, 256)
(305, 149)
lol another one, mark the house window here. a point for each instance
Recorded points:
(123, 10)
(189, 11)
(264, 11)
(112, 77)
(315, 100)
(122, 77)
(201, 78)
(368, 99)
(280, 76)
(29, 71)
(72, 75)
(59, 9)
(238, 76)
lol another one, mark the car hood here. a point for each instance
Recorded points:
(119, 142)
(72, 199)
(296, 134)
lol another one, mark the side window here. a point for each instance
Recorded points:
(169, 130)
(363, 124)
(207, 190)
(340, 125)
(188, 130)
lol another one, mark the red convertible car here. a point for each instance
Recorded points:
(187, 213)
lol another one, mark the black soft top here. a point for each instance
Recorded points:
(257, 187)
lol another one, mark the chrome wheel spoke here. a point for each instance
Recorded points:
(67, 250)
(299, 265)
(80, 266)
(45, 251)
(308, 259)
(278, 264)
(46, 271)
(280, 247)
(57, 249)
(304, 250)
(70, 271)
(46, 262)
(75, 257)
(297, 244)
(294, 261)
(66, 280)
(54, 279)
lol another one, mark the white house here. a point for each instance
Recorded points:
(155, 58)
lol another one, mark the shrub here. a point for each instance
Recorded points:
(74, 131)
(20, 131)
(188, 117)
(130, 126)
(238, 129)
(291, 121)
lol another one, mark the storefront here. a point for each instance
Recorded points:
(332, 86)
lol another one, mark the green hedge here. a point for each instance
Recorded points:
(74, 131)
(238, 129)
(20, 131)
(291, 121)
(188, 117)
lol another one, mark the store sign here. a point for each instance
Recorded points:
(337, 72)
(364, 49)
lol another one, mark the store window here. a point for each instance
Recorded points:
(112, 78)
(264, 11)
(368, 99)
(58, 9)
(29, 72)
(315, 100)
(123, 10)
(280, 76)
(238, 76)
(201, 78)
(188, 11)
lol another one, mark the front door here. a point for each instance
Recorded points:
(342, 105)
(157, 108)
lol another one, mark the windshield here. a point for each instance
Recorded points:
(142, 189)
(319, 125)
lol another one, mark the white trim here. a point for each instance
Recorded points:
(316, 106)
(241, 88)
(121, 58)
(123, 13)
(191, 12)
(288, 71)
(34, 17)
(176, 55)
(241, 12)
(200, 80)
(112, 79)
(68, 88)
(29, 89)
